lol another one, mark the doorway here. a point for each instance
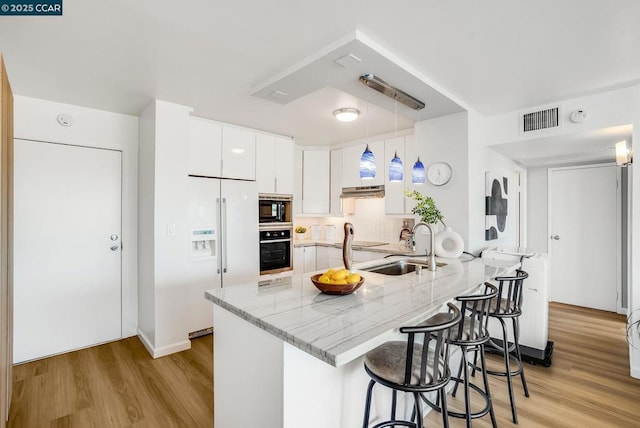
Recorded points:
(585, 236)
(67, 248)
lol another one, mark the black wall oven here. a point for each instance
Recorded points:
(275, 251)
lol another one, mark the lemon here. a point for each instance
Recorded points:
(340, 274)
(353, 278)
(340, 281)
(329, 272)
(324, 279)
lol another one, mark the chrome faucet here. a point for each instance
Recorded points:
(431, 255)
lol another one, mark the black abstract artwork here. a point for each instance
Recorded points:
(496, 201)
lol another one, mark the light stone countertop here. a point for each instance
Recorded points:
(396, 249)
(338, 329)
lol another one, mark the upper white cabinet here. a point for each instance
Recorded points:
(297, 182)
(204, 146)
(394, 199)
(238, 153)
(315, 181)
(274, 170)
(351, 164)
(336, 182)
(218, 150)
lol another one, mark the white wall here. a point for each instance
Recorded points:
(445, 139)
(146, 241)
(164, 239)
(35, 119)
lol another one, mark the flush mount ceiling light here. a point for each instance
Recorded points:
(346, 114)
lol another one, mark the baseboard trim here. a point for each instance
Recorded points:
(165, 350)
(635, 372)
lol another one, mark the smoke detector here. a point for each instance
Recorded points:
(579, 116)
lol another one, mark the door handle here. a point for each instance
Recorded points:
(114, 248)
(555, 237)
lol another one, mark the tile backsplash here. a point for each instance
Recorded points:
(369, 222)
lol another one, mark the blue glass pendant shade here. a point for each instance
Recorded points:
(418, 175)
(367, 164)
(396, 172)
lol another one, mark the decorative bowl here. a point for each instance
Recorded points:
(337, 289)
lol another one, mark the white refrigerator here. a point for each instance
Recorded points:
(224, 248)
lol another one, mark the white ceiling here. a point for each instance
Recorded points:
(492, 55)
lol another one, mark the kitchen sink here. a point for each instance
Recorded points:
(399, 267)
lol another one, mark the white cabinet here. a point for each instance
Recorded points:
(336, 182)
(351, 164)
(304, 259)
(218, 150)
(274, 169)
(315, 181)
(394, 199)
(297, 182)
(238, 153)
(322, 258)
(205, 141)
(334, 258)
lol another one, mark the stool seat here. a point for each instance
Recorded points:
(387, 362)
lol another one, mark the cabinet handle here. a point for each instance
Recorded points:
(275, 184)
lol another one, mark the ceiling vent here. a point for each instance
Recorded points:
(540, 120)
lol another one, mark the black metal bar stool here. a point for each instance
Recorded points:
(471, 334)
(413, 367)
(508, 306)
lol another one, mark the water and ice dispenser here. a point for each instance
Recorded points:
(203, 244)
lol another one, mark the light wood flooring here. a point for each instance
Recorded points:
(119, 385)
(116, 385)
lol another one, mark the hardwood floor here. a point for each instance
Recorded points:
(119, 385)
(116, 385)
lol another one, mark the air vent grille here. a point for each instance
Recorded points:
(542, 119)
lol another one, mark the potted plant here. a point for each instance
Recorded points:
(425, 208)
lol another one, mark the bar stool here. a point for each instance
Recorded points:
(413, 367)
(508, 306)
(471, 334)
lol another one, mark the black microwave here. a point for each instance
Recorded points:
(275, 211)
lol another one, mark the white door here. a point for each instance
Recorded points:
(67, 250)
(584, 229)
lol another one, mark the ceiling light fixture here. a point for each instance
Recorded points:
(346, 114)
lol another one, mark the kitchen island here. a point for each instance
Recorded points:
(286, 355)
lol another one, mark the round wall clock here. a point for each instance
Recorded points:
(439, 173)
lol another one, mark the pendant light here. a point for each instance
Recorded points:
(396, 171)
(368, 160)
(418, 174)
(367, 165)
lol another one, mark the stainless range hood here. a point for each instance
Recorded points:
(363, 192)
